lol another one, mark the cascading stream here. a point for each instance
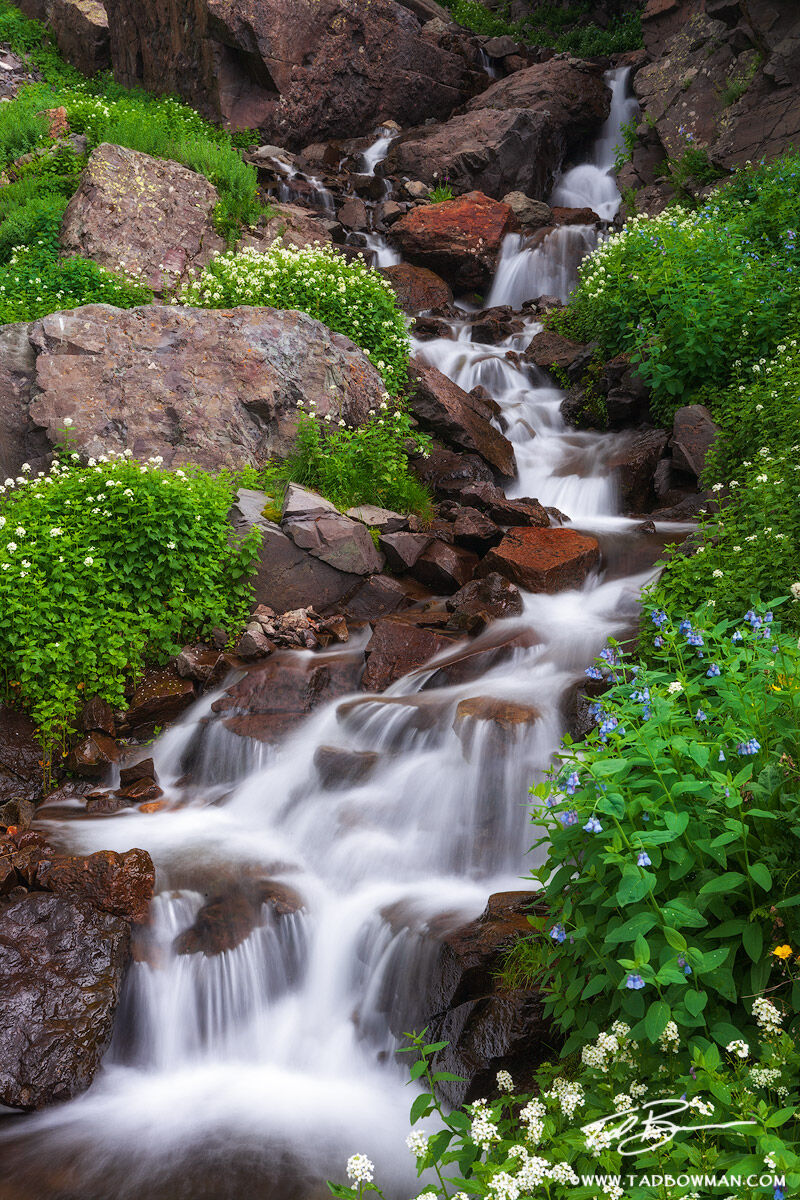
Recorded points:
(257, 1071)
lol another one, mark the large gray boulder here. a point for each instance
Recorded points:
(214, 387)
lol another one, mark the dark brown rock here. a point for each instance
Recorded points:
(253, 643)
(403, 549)
(544, 560)
(228, 919)
(16, 814)
(444, 569)
(482, 601)
(105, 804)
(61, 968)
(80, 29)
(447, 472)
(121, 884)
(159, 699)
(458, 417)
(417, 289)
(505, 720)
(475, 531)
(277, 693)
(200, 663)
(21, 775)
(549, 349)
(340, 768)
(299, 72)
(470, 662)
(145, 769)
(377, 597)
(458, 239)
(93, 755)
(523, 511)
(396, 648)
(635, 463)
(97, 716)
(693, 435)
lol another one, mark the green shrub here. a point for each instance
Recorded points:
(351, 466)
(734, 1115)
(562, 28)
(686, 294)
(35, 282)
(103, 564)
(673, 836)
(348, 297)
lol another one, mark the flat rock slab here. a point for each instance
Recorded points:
(544, 560)
(61, 969)
(397, 647)
(142, 216)
(337, 540)
(214, 387)
(417, 289)
(459, 417)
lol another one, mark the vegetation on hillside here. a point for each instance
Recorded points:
(566, 29)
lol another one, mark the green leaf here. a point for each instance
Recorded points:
(695, 1002)
(421, 1107)
(753, 940)
(658, 1014)
(761, 875)
(674, 938)
(419, 1068)
(728, 881)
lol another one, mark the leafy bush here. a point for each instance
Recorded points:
(686, 294)
(563, 28)
(366, 465)
(348, 297)
(35, 282)
(673, 840)
(102, 564)
(735, 1117)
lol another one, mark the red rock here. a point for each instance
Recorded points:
(504, 717)
(160, 698)
(444, 569)
(575, 216)
(458, 417)
(417, 289)
(141, 790)
(97, 715)
(544, 560)
(459, 239)
(549, 349)
(395, 649)
(121, 884)
(228, 919)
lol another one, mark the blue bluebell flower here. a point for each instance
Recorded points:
(568, 818)
(700, 715)
(658, 642)
(750, 747)
(593, 673)
(593, 826)
(737, 637)
(635, 982)
(713, 670)
(558, 933)
(643, 859)
(572, 784)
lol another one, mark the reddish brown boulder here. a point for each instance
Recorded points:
(458, 417)
(299, 70)
(482, 601)
(544, 560)
(226, 920)
(447, 472)
(61, 969)
(121, 884)
(200, 663)
(522, 511)
(396, 648)
(458, 239)
(549, 349)
(21, 775)
(504, 718)
(340, 768)
(417, 289)
(97, 716)
(693, 435)
(475, 531)
(377, 597)
(444, 569)
(635, 463)
(160, 698)
(575, 216)
(403, 549)
(93, 755)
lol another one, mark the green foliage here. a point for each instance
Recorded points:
(737, 84)
(348, 297)
(563, 28)
(624, 153)
(673, 835)
(35, 282)
(103, 564)
(686, 294)
(364, 465)
(31, 39)
(692, 166)
(443, 191)
(728, 1113)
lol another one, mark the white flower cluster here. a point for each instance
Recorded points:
(610, 1047)
(482, 1130)
(531, 1117)
(417, 1142)
(568, 1095)
(360, 1169)
(504, 1081)
(765, 1076)
(669, 1040)
(767, 1015)
(738, 1047)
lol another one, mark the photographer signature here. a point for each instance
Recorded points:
(649, 1126)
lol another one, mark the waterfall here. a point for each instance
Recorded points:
(256, 1071)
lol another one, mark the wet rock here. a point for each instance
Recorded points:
(141, 216)
(206, 386)
(16, 814)
(278, 693)
(444, 569)
(544, 560)
(417, 289)
(523, 511)
(693, 436)
(475, 531)
(353, 214)
(549, 349)
(300, 73)
(145, 768)
(458, 239)
(93, 755)
(531, 214)
(340, 768)
(396, 648)
(378, 596)
(515, 136)
(458, 417)
(199, 663)
(635, 463)
(382, 519)
(227, 920)
(253, 643)
(159, 699)
(403, 549)
(446, 472)
(21, 775)
(105, 804)
(120, 884)
(97, 716)
(504, 718)
(483, 600)
(575, 216)
(61, 969)
(471, 662)
(288, 577)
